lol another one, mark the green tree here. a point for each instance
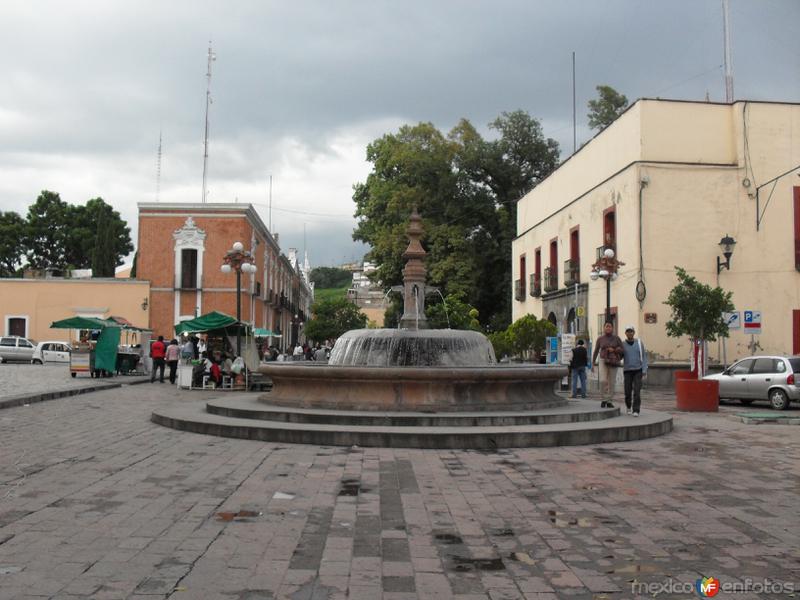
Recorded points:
(453, 313)
(83, 239)
(45, 234)
(12, 251)
(609, 105)
(331, 318)
(58, 235)
(103, 251)
(697, 310)
(465, 188)
(527, 336)
(330, 277)
(501, 344)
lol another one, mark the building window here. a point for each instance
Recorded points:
(610, 229)
(189, 268)
(572, 265)
(797, 228)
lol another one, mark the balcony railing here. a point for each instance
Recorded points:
(550, 279)
(602, 249)
(536, 285)
(519, 290)
(571, 272)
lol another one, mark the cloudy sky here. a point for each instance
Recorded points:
(299, 89)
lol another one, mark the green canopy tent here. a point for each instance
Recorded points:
(227, 325)
(105, 353)
(208, 322)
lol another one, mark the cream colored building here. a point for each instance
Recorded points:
(29, 306)
(663, 185)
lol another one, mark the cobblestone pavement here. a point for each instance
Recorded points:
(23, 378)
(97, 502)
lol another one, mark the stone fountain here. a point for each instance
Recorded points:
(414, 387)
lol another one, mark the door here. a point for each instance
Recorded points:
(764, 375)
(796, 332)
(16, 326)
(24, 350)
(735, 383)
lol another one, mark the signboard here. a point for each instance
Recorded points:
(551, 348)
(580, 312)
(733, 319)
(752, 321)
(567, 344)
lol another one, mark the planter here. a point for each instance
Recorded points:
(695, 395)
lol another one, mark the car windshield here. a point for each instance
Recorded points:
(795, 362)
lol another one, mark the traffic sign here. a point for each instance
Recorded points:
(732, 319)
(752, 321)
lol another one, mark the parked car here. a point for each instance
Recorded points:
(16, 348)
(761, 378)
(51, 352)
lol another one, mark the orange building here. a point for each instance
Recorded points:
(180, 251)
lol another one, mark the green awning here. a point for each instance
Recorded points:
(83, 323)
(203, 323)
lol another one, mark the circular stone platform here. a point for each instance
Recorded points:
(575, 423)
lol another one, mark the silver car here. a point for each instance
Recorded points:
(761, 378)
(15, 348)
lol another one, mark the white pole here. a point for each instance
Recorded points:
(726, 27)
(211, 58)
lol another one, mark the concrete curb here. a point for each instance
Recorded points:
(22, 399)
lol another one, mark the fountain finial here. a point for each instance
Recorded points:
(414, 275)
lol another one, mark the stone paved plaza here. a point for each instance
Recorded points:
(98, 502)
(19, 378)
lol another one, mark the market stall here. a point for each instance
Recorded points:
(220, 331)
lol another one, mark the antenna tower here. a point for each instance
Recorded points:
(211, 58)
(158, 169)
(726, 30)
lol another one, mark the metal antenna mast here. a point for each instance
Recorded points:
(211, 58)
(158, 169)
(726, 29)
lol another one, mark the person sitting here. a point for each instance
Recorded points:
(215, 374)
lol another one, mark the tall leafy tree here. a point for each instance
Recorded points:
(465, 188)
(103, 253)
(46, 232)
(12, 250)
(331, 318)
(85, 235)
(605, 109)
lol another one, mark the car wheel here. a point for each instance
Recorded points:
(746, 401)
(779, 400)
(73, 374)
(36, 361)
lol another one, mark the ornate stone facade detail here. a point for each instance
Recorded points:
(189, 236)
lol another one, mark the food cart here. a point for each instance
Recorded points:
(98, 352)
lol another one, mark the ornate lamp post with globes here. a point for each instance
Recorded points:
(606, 268)
(238, 259)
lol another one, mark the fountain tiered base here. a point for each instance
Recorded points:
(420, 388)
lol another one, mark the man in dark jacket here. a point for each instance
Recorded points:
(578, 365)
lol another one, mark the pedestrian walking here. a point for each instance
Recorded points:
(633, 369)
(580, 359)
(172, 356)
(609, 349)
(157, 352)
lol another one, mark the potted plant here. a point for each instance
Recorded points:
(697, 312)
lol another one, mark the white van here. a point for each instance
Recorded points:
(51, 352)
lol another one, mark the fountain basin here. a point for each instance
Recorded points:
(412, 348)
(419, 389)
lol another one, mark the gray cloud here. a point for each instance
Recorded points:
(300, 89)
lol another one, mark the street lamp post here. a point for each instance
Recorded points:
(238, 259)
(606, 268)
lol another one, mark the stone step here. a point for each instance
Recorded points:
(193, 417)
(252, 408)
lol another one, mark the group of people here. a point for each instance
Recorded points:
(194, 348)
(318, 353)
(613, 352)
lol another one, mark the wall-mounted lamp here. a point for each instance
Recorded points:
(726, 244)
(145, 304)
